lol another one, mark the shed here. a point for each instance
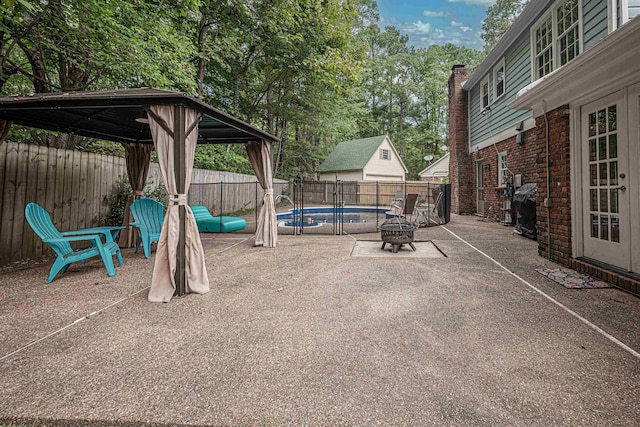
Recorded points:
(367, 159)
(437, 171)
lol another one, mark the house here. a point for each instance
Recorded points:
(557, 103)
(436, 172)
(367, 159)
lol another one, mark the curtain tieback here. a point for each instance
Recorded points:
(138, 194)
(177, 199)
(268, 192)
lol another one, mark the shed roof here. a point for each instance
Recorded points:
(112, 114)
(352, 155)
(438, 168)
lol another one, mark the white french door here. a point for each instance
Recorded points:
(607, 184)
(633, 189)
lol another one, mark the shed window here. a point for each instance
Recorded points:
(385, 154)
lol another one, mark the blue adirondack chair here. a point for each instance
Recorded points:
(40, 222)
(148, 216)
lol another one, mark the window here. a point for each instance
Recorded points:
(502, 169)
(484, 93)
(499, 80)
(555, 39)
(621, 11)
(385, 154)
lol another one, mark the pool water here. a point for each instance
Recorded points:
(314, 217)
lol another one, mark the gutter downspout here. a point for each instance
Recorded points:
(547, 200)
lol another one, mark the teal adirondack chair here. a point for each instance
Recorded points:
(148, 216)
(40, 222)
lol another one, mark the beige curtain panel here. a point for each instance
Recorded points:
(163, 281)
(138, 158)
(267, 227)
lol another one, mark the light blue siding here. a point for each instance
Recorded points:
(518, 75)
(594, 21)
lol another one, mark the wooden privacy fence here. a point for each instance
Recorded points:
(74, 186)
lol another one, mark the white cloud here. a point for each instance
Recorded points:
(474, 2)
(424, 34)
(460, 25)
(417, 27)
(430, 13)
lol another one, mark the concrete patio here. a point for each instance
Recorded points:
(308, 334)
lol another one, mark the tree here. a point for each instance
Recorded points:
(499, 18)
(73, 45)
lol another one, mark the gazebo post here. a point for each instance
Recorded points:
(179, 170)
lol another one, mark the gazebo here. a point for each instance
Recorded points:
(173, 123)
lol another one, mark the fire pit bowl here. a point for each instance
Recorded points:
(397, 233)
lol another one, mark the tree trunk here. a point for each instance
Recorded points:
(202, 60)
(39, 72)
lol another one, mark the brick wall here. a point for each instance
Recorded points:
(460, 163)
(523, 159)
(560, 187)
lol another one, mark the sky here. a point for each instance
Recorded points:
(428, 22)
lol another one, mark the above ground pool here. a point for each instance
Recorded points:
(316, 216)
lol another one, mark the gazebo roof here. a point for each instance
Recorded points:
(111, 115)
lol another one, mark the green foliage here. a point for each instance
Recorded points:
(107, 148)
(500, 16)
(230, 158)
(117, 202)
(312, 73)
(158, 193)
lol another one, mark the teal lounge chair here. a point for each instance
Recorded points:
(148, 216)
(208, 223)
(41, 223)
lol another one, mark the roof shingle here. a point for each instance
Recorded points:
(351, 155)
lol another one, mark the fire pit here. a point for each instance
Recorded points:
(397, 233)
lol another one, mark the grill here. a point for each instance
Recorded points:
(397, 233)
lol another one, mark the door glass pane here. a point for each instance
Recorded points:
(604, 227)
(593, 200)
(592, 124)
(594, 226)
(613, 118)
(593, 175)
(602, 122)
(602, 147)
(603, 164)
(593, 153)
(613, 173)
(613, 146)
(604, 175)
(604, 200)
(614, 201)
(615, 229)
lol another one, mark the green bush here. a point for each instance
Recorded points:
(117, 200)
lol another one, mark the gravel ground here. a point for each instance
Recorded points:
(307, 334)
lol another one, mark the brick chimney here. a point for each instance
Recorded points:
(460, 162)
